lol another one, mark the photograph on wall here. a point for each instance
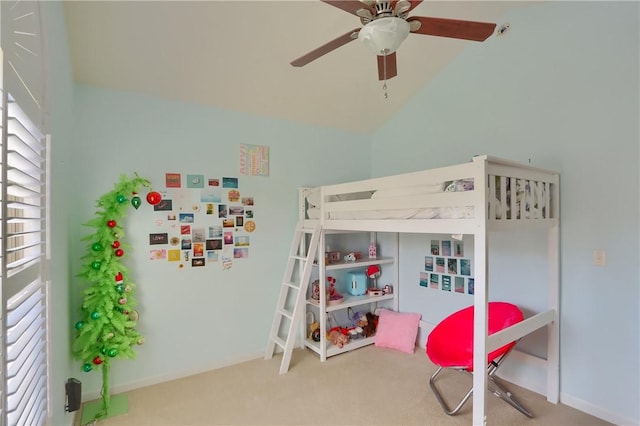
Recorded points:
(435, 247)
(198, 249)
(428, 263)
(173, 180)
(439, 264)
(452, 266)
(458, 284)
(465, 267)
(230, 182)
(197, 234)
(185, 229)
(185, 217)
(240, 253)
(215, 232)
(212, 256)
(210, 196)
(213, 182)
(227, 238)
(470, 286)
(424, 279)
(458, 249)
(446, 248)
(446, 282)
(195, 181)
(434, 281)
(197, 261)
(222, 210)
(215, 244)
(158, 254)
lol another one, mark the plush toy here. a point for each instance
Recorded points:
(351, 257)
(370, 328)
(314, 331)
(338, 338)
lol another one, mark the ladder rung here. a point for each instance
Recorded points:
(286, 313)
(292, 285)
(280, 342)
(298, 257)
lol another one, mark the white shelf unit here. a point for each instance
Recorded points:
(324, 348)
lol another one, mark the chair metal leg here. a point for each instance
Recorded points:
(494, 385)
(504, 394)
(440, 398)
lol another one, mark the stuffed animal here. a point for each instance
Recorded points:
(369, 329)
(338, 338)
(314, 331)
(351, 257)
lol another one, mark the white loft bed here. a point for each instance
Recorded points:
(474, 198)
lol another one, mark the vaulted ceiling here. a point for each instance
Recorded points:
(236, 55)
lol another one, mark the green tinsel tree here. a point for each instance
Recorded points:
(107, 329)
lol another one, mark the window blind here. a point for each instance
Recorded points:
(24, 387)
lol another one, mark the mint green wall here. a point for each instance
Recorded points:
(195, 319)
(562, 89)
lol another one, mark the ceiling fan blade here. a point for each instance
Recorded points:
(453, 28)
(351, 6)
(391, 66)
(414, 3)
(326, 48)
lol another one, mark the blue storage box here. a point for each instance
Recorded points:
(356, 283)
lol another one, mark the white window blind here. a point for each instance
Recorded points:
(24, 387)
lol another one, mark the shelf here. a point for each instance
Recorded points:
(334, 350)
(358, 263)
(352, 301)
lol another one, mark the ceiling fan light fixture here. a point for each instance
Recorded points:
(384, 35)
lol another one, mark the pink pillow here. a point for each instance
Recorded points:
(397, 330)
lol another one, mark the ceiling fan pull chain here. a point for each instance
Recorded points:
(384, 72)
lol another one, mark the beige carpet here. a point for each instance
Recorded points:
(370, 386)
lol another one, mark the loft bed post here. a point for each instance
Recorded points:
(480, 297)
(553, 330)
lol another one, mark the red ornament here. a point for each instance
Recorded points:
(153, 198)
(119, 252)
(97, 360)
(119, 277)
(111, 224)
(115, 244)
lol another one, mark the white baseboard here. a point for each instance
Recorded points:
(596, 411)
(126, 387)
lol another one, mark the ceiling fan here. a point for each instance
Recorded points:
(385, 26)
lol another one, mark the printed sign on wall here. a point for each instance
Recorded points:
(203, 221)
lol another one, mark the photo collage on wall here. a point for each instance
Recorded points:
(204, 220)
(446, 268)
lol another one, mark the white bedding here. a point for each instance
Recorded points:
(313, 200)
(530, 201)
(426, 213)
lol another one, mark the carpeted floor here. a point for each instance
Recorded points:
(370, 386)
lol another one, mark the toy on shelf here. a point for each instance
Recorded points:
(373, 252)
